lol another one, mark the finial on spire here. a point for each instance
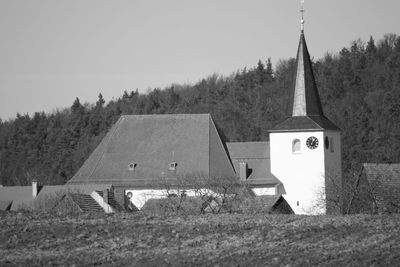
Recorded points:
(302, 15)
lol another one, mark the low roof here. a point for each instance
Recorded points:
(384, 181)
(264, 203)
(305, 123)
(251, 150)
(387, 175)
(257, 157)
(269, 202)
(5, 205)
(21, 196)
(78, 188)
(152, 142)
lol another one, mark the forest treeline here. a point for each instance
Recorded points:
(359, 88)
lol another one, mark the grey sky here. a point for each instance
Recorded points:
(53, 51)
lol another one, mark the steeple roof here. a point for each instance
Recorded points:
(304, 99)
(304, 109)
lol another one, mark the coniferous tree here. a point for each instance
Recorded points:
(359, 88)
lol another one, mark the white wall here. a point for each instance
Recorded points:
(302, 173)
(264, 191)
(140, 197)
(100, 200)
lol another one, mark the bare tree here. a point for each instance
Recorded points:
(196, 193)
(384, 194)
(345, 194)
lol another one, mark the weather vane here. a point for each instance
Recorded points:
(302, 15)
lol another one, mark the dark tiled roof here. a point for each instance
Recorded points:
(384, 184)
(268, 201)
(269, 204)
(248, 149)
(305, 123)
(153, 142)
(387, 175)
(304, 97)
(86, 203)
(257, 157)
(5, 205)
(304, 110)
(21, 196)
(78, 188)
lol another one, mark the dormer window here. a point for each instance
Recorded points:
(296, 146)
(172, 166)
(132, 166)
(326, 142)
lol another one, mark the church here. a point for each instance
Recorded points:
(301, 161)
(299, 165)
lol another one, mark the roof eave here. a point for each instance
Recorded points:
(304, 130)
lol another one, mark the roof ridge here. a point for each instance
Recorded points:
(116, 128)
(247, 142)
(223, 144)
(167, 115)
(377, 163)
(309, 117)
(305, 123)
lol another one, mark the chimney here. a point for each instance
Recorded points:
(35, 188)
(243, 171)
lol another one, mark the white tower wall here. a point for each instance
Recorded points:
(301, 172)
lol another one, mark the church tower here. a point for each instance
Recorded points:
(306, 147)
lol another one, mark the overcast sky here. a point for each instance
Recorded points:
(53, 51)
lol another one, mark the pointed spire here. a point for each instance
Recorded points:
(304, 100)
(304, 109)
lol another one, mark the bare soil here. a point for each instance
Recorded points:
(32, 239)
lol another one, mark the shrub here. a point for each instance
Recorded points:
(173, 206)
(198, 194)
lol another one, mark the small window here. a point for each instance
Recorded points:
(132, 166)
(172, 166)
(296, 146)
(326, 142)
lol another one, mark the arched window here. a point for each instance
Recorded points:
(296, 146)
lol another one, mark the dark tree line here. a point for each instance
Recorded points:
(359, 86)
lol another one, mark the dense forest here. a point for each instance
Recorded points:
(359, 88)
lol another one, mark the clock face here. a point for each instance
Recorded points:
(312, 142)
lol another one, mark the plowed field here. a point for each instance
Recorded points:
(31, 239)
